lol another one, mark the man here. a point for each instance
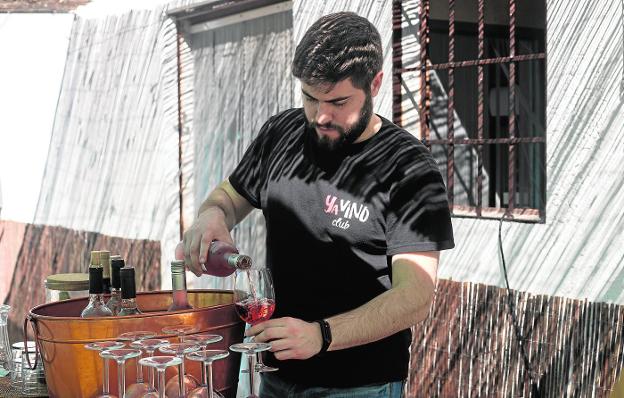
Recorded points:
(356, 214)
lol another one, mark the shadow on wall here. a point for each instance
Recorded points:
(30, 253)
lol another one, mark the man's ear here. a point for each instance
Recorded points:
(376, 83)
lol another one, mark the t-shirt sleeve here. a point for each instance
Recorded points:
(418, 218)
(248, 177)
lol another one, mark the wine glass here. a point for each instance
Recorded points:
(179, 330)
(254, 299)
(121, 355)
(149, 346)
(180, 350)
(139, 387)
(203, 339)
(207, 357)
(250, 349)
(160, 363)
(102, 346)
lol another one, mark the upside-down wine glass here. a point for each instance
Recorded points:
(102, 346)
(202, 340)
(160, 363)
(251, 350)
(254, 299)
(149, 346)
(179, 330)
(121, 355)
(180, 350)
(139, 387)
(207, 357)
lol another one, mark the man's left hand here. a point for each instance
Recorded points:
(290, 338)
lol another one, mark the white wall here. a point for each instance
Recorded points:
(579, 251)
(33, 48)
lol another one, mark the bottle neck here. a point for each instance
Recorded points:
(178, 281)
(129, 303)
(96, 297)
(238, 261)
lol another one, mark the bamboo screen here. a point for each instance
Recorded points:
(468, 348)
(43, 250)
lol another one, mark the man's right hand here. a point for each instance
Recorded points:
(209, 226)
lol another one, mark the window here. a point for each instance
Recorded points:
(476, 58)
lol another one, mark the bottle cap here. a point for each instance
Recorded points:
(95, 259)
(178, 267)
(95, 280)
(128, 287)
(105, 260)
(117, 263)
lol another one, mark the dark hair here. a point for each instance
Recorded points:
(336, 47)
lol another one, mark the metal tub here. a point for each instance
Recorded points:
(73, 371)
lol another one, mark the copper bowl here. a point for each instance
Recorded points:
(73, 371)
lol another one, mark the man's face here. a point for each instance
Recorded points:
(337, 114)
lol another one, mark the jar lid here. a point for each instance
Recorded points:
(67, 282)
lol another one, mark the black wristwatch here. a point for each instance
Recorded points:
(326, 334)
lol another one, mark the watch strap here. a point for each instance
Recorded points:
(325, 334)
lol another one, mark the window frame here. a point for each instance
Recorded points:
(424, 69)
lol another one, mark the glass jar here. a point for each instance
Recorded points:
(29, 381)
(19, 355)
(65, 286)
(6, 355)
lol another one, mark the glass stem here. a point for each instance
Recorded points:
(161, 383)
(203, 373)
(139, 370)
(105, 386)
(152, 387)
(181, 378)
(208, 378)
(252, 370)
(121, 377)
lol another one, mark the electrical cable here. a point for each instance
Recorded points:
(535, 393)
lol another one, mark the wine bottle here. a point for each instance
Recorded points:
(128, 292)
(105, 260)
(178, 287)
(114, 302)
(96, 306)
(224, 259)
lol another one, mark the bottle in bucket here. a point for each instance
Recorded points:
(96, 306)
(178, 287)
(128, 292)
(114, 302)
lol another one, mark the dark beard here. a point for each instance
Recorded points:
(346, 137)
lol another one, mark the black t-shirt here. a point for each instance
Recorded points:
(333, 221)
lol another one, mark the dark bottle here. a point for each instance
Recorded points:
(128, 292)
(114, 302)
(178, 287)
(224, 259)
(105, 261)
(96, 306)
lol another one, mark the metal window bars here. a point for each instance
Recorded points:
(426, 66)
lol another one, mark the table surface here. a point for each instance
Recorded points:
(6, 391)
